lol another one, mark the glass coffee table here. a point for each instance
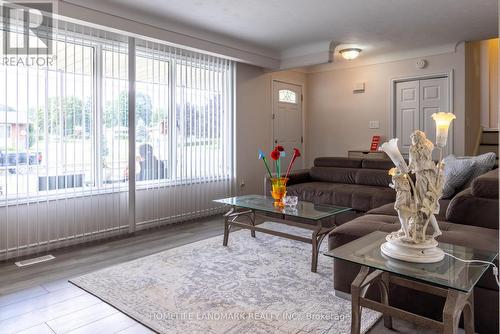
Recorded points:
(449, 278)
(244, 208)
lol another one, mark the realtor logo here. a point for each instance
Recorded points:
(27, 27)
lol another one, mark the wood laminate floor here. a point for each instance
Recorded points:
(38, 299)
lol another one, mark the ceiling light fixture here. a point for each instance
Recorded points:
(350, 53)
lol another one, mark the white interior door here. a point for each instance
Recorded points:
(407, 112)
(433, 98)
(287, 120)
(416, 101)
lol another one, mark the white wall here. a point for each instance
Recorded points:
(338, 119)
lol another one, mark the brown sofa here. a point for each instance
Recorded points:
(360, 184)
(470, 219)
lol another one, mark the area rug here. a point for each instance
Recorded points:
(261, 285)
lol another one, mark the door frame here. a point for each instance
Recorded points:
(302, 121)
(451, 97)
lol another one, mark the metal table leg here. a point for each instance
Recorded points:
(233, 218)
(457, 302)
(356, 293)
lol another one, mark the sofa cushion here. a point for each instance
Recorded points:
(457, 234)
(317, 192)
(482, 163)
(359, 197)
(388, 210)
(384, 164)
(334, 174)
(338, 162)
(467, 209)
(486, 185)
(373, 177)
(363, 198)
(457, 173)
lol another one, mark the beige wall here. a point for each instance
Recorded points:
(489, 81)
(254, 121)
(337, 119)
(472, 95)
(481, 93)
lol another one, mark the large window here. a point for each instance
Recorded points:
(64, 126)
(66, 156)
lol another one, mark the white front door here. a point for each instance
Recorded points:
(416, 101)
(287, 120)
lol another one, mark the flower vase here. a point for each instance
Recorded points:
(278, 191)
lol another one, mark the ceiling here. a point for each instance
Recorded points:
(286, 28)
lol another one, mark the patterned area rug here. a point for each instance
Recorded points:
(261, 285)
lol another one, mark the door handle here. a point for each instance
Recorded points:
(276, 142)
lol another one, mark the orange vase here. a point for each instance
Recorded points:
(278, 190)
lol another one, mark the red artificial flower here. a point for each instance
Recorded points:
(275, 154)
(279, 148)
(296, 154)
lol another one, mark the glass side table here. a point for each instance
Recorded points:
(449, 278)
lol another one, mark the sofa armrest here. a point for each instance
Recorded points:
(486, 185)
(467, 209)
(299, 176)
(295, 177)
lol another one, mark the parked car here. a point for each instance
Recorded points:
(14, 160)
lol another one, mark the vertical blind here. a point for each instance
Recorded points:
(190, 134)
(64, 138)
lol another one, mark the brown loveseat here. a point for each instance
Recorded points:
(360, 184)
(470, 219)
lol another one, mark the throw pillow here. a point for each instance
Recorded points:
(457, 173)
(482, 164)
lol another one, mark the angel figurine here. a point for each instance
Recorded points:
(404, 202)
(428, 180)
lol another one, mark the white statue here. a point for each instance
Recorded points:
(403, 204)
(416, 202)
(428, 184)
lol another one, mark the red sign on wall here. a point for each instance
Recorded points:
(375, 143)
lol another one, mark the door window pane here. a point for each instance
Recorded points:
(287, 96)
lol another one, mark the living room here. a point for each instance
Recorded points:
(274, 117)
